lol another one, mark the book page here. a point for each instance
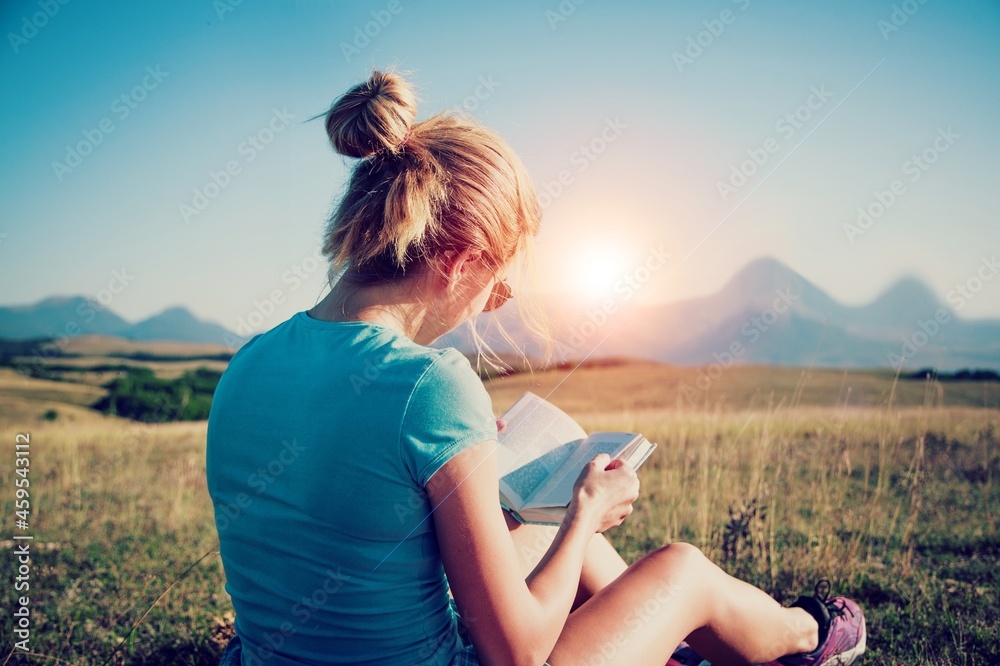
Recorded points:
(558, 490)
(641, 453)
(523, 482)
(536, 442)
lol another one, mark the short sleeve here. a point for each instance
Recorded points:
(448, 412)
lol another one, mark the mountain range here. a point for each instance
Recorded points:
(69, 316)
(907, 324)
(766, 313)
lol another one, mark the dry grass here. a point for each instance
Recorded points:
(125, 509)
(637, 387)
(101, 345)
(897, 505)
(14, 385)
(162, 369)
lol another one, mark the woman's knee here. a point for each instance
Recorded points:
(687, 576)
(680, 558)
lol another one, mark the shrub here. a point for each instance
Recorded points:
(141, 396)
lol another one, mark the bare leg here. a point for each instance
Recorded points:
(675, 592)
(603, 565)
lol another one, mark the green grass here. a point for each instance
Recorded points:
(896, 509)
(896, 506)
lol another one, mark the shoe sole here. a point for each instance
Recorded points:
(850, 656)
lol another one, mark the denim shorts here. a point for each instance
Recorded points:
(233, 654)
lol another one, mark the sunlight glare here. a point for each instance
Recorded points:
(597, 267)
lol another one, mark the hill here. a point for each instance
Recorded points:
(67, 317)
(765, 314)
(769, 314)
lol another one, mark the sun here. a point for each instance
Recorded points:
(596, 267)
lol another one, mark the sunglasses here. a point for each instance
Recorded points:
(500, 294)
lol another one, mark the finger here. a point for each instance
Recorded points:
(501, 425)
(615, 464)
(601, 460)
(626, 468)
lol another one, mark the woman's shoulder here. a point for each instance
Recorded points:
(449, 390)
(448, 370)
(448, 411)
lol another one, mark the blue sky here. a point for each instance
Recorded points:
(718, 132)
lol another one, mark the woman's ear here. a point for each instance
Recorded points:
(458, 265)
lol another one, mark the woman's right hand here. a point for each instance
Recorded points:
(604, 492)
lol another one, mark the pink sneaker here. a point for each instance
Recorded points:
(842, 633)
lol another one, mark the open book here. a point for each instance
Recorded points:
(542, 452)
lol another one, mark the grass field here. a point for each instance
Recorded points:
(782, 476)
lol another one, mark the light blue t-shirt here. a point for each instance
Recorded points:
(321, 438)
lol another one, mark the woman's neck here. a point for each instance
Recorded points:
(386, 305)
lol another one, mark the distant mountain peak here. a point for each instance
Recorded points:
(758, 283)
(176, 311)
(764, 272)
(766, 265)
(57, 316)
(908, 288)
(178, 323)
(53, 302)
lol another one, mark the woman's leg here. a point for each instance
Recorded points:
(676, 592)
(758, 629)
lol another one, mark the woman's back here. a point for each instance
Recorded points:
(330, 435)
(321, 439)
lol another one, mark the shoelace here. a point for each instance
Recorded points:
(822, 592)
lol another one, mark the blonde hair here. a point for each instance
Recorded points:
(447, 183)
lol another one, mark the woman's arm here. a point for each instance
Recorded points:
(510, 620)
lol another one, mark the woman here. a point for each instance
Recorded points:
(352, 467)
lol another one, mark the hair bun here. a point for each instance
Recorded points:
(373, 116)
